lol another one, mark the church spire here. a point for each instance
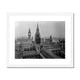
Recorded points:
(37, 36)
(37, 28)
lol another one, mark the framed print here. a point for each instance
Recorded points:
(40, 40)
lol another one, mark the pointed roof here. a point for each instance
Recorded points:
(29, 31)
(37, 28)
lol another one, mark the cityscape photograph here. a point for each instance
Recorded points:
(40, 40)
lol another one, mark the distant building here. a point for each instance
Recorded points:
(47, 40)
(50, 39)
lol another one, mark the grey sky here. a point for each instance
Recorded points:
(46, 28)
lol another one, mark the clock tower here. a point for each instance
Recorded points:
(29, 34)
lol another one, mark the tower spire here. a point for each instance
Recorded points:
(29, 30)
(29, 33)
(37, 36)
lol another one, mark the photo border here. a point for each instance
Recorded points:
(9, 14)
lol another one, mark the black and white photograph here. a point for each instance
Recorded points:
(40, 40)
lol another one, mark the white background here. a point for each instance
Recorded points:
(23, 6)
(67, 62)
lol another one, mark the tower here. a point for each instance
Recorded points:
(37, 36)
(50, 38)
(29, 34)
